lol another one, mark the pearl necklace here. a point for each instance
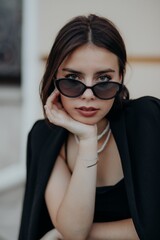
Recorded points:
(107, 128)
(105, 142)
(104, 131)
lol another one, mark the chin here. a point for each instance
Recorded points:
(88, 121)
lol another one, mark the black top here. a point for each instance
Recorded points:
(111, 203)
(136, 130)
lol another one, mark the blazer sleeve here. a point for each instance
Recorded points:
(28, 196)
(143, 132)
(35, 141)
(43, 146)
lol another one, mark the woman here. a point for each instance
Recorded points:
(93, 167)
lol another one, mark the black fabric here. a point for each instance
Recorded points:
(111, 203)
(136, 131)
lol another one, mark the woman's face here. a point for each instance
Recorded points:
(89, 64)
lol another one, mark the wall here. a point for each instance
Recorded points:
(139, 24)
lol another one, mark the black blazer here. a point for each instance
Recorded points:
(136, 130)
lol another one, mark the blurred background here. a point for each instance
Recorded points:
(27, 31)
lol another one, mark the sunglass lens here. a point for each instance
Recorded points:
(70, 88)
(106, 90)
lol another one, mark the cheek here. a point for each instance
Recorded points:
(108, 105)
(66, 102)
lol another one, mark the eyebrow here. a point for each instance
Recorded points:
(97, 73)
(71, 70)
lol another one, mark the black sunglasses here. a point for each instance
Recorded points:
(73, 88)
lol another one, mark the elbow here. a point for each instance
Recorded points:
(75, 237)
(72, 230)
(73, 234)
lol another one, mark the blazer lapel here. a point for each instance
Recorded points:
(118, 128)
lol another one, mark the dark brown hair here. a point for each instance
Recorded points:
(77, 32)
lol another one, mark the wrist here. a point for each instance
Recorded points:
(89, 133)
(87, 139)
(89, 163)
(88, 158)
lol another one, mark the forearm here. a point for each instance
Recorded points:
(75, 214)
(118, 230)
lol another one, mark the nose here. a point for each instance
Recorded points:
(88, 94)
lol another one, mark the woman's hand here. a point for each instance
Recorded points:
(52, 235)
(58, 116)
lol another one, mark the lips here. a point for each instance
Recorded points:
(87, 111)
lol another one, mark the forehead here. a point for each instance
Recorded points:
(90, 56)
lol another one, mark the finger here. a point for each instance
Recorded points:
(54, 101)
(54, 115)
(49, 113)
(53, 98)
(59, 105)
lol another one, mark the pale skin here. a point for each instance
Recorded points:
(70, 192)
